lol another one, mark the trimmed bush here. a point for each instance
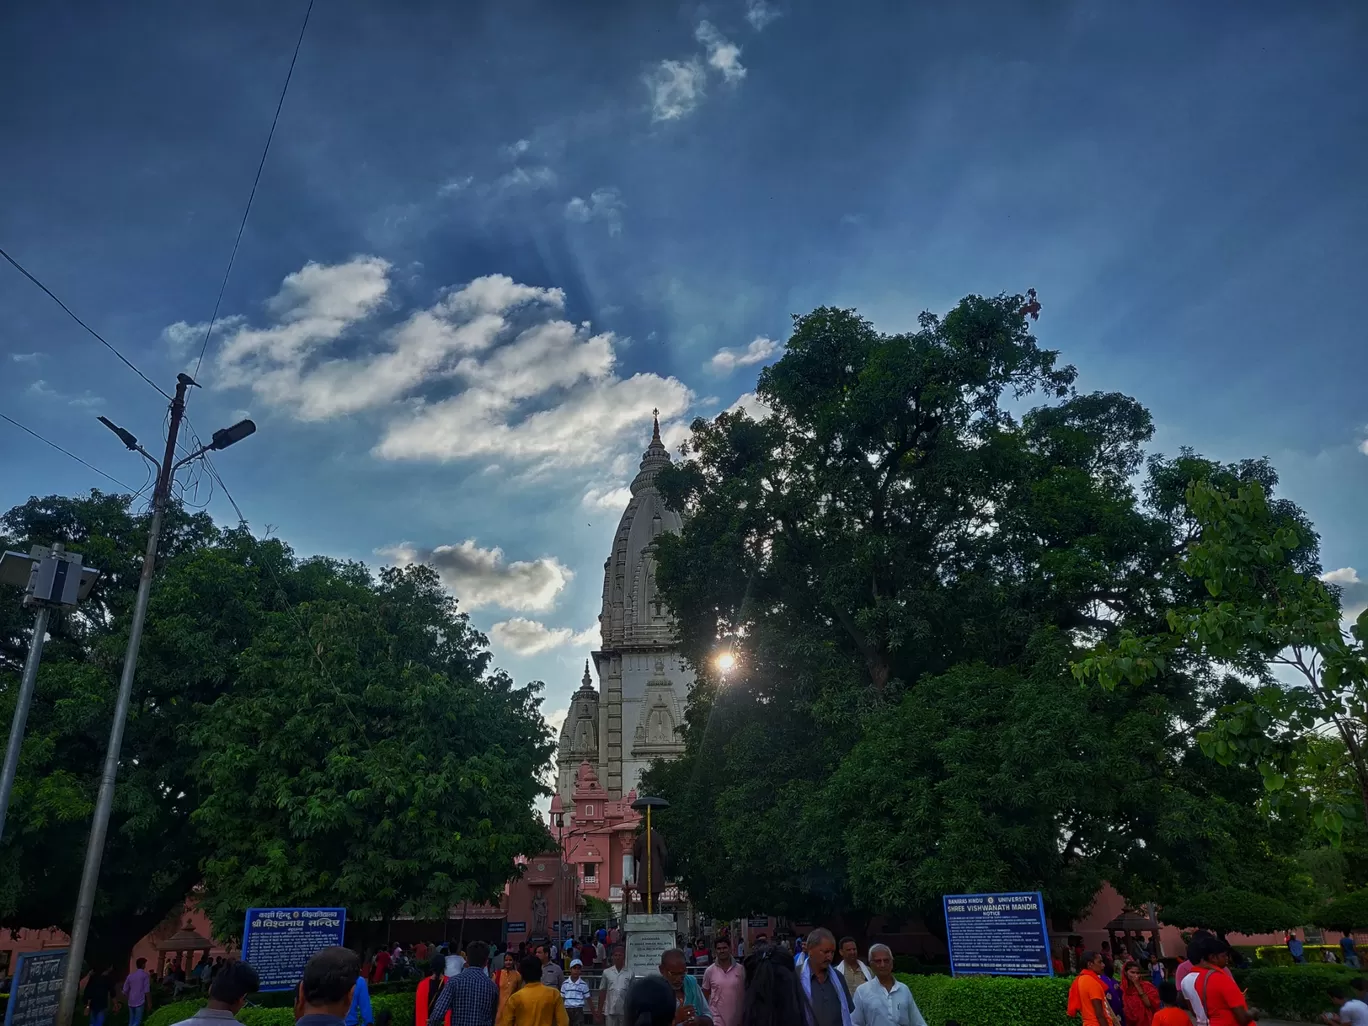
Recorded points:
(914, 966)
(991, 1000)
(1277, 954)
(166, 1015)
(1294, 991)
(276, 1008)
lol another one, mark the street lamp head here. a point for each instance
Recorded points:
(127, 437)
(225, 437)
(726, 662)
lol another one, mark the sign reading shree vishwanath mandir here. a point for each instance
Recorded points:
(36, 989)
(278, 942)
(997, 934)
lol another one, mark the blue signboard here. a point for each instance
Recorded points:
(37, 988)
(517, 926)
(278, 942)
(997, 934)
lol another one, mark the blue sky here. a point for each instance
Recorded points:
(490, 238)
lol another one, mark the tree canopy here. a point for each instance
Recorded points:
(1261, 607)
(301, 732)
(904, 559)
(1231, 910)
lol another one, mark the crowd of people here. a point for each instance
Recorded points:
(1112, 992)
(813, 983)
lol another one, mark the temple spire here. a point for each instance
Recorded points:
(588, 681)
(655, 431)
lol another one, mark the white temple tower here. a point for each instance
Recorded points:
(637, 715)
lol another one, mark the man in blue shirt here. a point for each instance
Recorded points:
(471, 996)
(325, 993)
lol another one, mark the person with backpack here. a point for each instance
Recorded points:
(429, 987)
(1222, 1000)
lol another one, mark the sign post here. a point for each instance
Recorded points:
(278, 942)
(997, 934)
(37, 988)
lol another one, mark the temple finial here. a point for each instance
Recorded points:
(655, 431)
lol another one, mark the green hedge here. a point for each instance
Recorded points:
(174, 1012)
(1294, 991)
(991, 1000)
(276, 1008)
(1277, 954)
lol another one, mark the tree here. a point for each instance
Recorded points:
(902, 569)
(1346, 913)
(151, 857)
(1262, 607)
(1232, 911)
(238, 628)
(366, 759)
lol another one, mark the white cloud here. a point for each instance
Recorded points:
(454, 185)
(753, 407)
(726, 360)
(24, 357)
(610, 500)
(759, 14)
(526, 637)
(723, 55)
(602, 205)
(42, 390)
(480, 577)
(675, 87)
(517, 149)
(555, 719)
(1363, 447)
(586, 428)
(183, 337)
(488, 370)
(528, 178)
(1353, 590)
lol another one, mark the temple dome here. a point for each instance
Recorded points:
(633, 615)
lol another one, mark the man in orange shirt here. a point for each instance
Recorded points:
(1088, 995)
(1224, 1003)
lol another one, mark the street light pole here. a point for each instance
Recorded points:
(51, 580)
(99, 827)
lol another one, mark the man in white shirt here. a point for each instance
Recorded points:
(1349, 1010)
(613, 991)
(883, 1001)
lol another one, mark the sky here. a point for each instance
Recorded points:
(490, 238)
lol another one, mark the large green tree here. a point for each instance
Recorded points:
(379, 687)
(1261, 608)
(367, 759)
(902, 559)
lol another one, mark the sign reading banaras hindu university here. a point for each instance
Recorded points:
(997, 934)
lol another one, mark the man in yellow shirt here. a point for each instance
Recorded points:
(534, 1003)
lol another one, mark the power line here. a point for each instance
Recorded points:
(100, 338)
(252, 195)
(68, 452)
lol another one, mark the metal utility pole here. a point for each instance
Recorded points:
(99, 827)
(51, 579)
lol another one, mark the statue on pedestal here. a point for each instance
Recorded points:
(660, 863)
(538, 913)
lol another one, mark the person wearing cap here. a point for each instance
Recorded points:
(575, 993)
